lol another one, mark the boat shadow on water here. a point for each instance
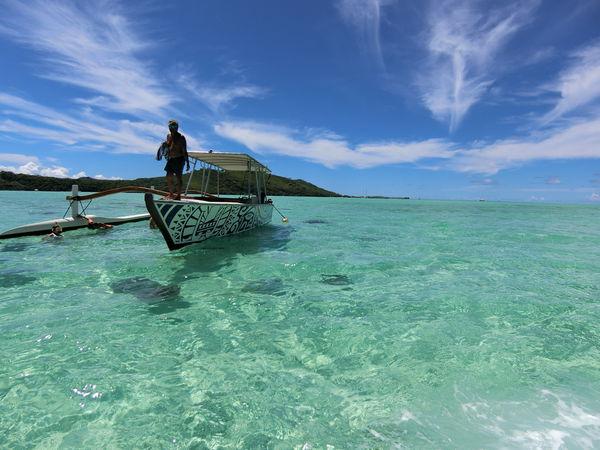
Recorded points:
(216, 254)
(209, 256)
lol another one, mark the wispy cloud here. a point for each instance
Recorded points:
(94, 46)
(81, 129)
(216, 98)
(327, 149)
(17, 158)
(580, 140)
(578, 84)
(552, 180)
(365, 17)
(463, 41)
(91, 45)
(484, 181)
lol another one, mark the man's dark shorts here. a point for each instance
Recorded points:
(175, 166)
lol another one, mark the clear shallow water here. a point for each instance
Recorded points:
(361, 324)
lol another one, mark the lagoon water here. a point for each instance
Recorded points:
(360, 324)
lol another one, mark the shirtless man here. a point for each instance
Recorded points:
(178, 157)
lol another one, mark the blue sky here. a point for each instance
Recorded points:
(441, 99)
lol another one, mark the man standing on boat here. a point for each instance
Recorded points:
(176, 159)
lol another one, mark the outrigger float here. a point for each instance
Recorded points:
(191, 219)
(78, 217)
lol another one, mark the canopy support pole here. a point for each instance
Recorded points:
(205, 188)
(74, 203)
(257, 186)
(249, 175)
(187, 187)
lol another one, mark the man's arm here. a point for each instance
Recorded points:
(187, 160)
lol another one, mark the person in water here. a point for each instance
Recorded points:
(176, 159)
(56, 231)
(97, 226)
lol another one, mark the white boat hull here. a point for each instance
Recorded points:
(185, 222)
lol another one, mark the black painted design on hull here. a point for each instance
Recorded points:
(187, 223)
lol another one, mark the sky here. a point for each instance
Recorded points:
(446, 99)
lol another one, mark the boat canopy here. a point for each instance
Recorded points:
(235, 162)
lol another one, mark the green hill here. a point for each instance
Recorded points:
(229, 183)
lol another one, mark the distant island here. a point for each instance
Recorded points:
(229, 183)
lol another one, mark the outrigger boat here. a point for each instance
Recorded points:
(191, 219)
(195, 219)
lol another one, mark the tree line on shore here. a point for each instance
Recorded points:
(229, 183)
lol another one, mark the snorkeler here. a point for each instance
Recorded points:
(56, 231)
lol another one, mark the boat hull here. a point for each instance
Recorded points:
(185, 222)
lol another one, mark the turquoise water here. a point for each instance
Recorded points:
(361, 324)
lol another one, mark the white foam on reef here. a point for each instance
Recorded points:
(549, 422)
(547, 439)
(572, 426)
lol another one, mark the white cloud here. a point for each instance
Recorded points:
(595, 197)
(484, 182)
(463, 43)
(102, 177)
(328, 150)
(580, 140)
(365, 17)
(94, 131)
(578, 84)
(89, 44)
(17, 158)
(93, 45)
(31, 166)
(217, 98)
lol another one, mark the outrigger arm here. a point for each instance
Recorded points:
(77, 219)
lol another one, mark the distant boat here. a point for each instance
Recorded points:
(196, 219)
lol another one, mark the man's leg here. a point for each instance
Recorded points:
(179, 185)
(170, 183)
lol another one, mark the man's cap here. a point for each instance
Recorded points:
(173, 123)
